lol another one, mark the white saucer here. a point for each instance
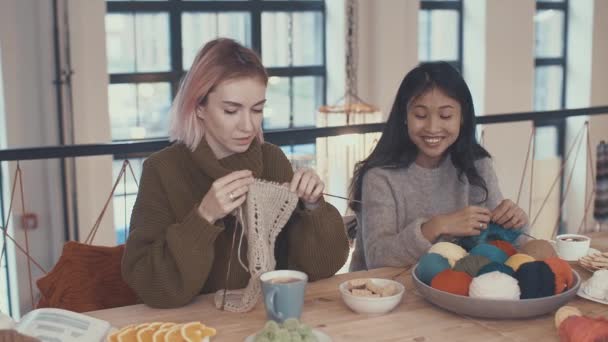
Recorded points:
(581, 293)
(321, 336)
(591, 251)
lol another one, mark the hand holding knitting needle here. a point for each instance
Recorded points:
(308, 185)
(225, 195)
(509, 215)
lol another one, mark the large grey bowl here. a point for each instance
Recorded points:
(495, 308)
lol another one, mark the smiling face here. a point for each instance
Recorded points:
(433, 125)
(232, 115)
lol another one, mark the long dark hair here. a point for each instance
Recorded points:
(396, 149)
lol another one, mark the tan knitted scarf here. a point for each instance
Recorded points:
(263, 215)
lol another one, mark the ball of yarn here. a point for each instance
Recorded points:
(565, 312)
(535, 280)
(597, 286)
(493, 253)
(504, 246)
(583, 329)
(448, 250)
(453, 282)
(494, 285)
(517, 260)
(494, 266)
(471, 264)
(564, 278)
(539, 249)
(429, 266)
(493, 232)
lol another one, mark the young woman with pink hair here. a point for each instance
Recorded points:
(181, 231)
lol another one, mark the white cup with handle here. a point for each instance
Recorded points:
(572, 247)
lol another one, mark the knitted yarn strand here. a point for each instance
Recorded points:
(263, 215)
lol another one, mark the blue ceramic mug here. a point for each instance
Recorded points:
(283, 294)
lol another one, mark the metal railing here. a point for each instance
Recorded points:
(294, 136)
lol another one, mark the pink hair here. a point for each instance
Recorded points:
(219, 60)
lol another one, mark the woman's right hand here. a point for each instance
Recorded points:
(468, 221)
(225, 195)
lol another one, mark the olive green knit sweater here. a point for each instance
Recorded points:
(173, 254)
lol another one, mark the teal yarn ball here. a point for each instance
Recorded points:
(493, 232)
(471, 264)
(494, 266)
(491, 252)
(429, 266)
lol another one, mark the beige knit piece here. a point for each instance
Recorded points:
(263, 215)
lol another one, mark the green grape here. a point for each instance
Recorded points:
(305, 330)
(295, 337)
(290, 331)
(283, 336)
(291, 324)
(261, 338)
(272, 326)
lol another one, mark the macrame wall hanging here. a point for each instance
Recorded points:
(337, 156)
(265, 212)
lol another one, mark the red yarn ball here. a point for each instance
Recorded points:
(583, 329)
(504, 246)
(564, 278)
(453, 282)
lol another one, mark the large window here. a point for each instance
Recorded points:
(440, 27)
(150, 45)
(551, 29)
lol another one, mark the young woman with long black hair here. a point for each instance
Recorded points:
(427, 178)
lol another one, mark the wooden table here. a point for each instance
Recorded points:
(414, 320)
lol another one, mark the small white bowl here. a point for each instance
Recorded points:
(372, 305)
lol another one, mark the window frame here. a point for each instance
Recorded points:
(451, 5)
(556, 61)
(558, 123)
(175, 9)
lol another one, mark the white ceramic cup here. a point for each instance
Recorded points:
(572, 247)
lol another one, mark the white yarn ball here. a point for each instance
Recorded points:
(597, 286)
(494, 285)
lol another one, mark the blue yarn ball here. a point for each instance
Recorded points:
(494, 266)
(491, 252)
(493, 232)
(430, 265)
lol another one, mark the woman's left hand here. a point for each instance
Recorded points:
(509, 215)
(308, 185)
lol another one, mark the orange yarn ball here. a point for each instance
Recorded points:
(453, 282)
(504, 246)
(564, 278)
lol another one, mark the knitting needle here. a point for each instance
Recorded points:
(344, 198)
(229, 266)
(528, 235)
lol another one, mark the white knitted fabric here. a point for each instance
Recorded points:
(263, 215)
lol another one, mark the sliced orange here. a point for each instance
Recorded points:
(159, 335)
(145, 334)
(196, 331)
(174, 334)
(128, 334)
(167, 325)
(113, 337)
(141, 326)
(155, 325)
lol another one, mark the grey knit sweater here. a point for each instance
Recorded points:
(397, 201)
